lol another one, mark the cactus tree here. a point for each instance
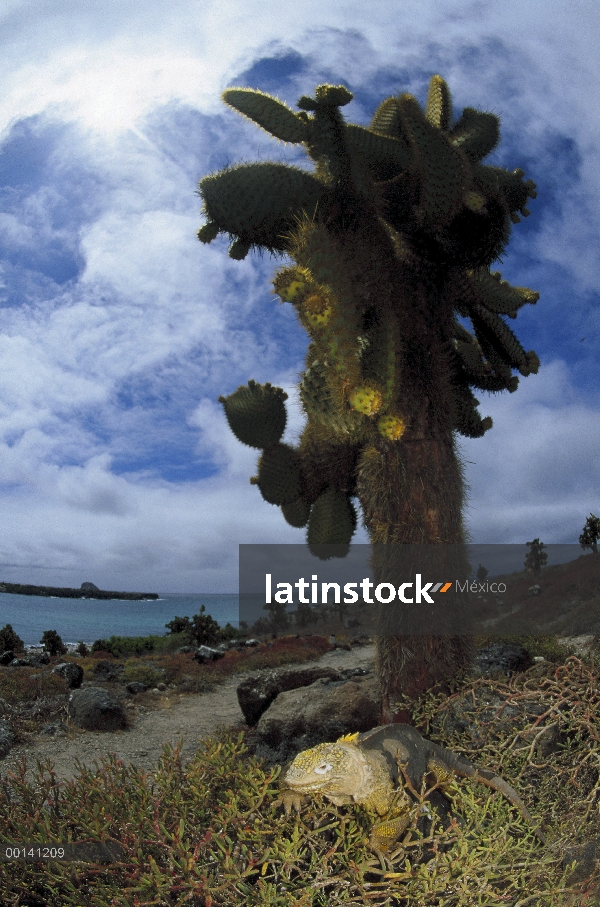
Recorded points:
(391, 239)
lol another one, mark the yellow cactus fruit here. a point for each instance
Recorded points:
(291, 284)
(391, 427)
(289, 293)
(474, 201)
(318, 312)
(365, 400)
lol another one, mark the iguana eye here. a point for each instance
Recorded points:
(322, 768)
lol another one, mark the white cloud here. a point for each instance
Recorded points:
(13, 233)
(536, 472)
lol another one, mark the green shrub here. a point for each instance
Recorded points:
(205, 631)
(167, 644)
(124, 646)
(52, 643)
(179, 625)
(231, 632)
(10, 641)
(143, 673)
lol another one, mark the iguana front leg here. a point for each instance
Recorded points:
(289, 799)
(292, 799)
(385, 834)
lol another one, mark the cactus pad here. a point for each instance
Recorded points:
(314, 391)
(268, 112)
(208, 232)
(332, 521)
(438, 109)
(296, 513)
(476, 133)
(279, 475)
(258, 203)
(256, 414)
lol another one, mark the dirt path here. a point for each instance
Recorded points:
(190, 718)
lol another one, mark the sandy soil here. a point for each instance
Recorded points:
(189, 718)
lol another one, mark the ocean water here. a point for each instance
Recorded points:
(76, 619)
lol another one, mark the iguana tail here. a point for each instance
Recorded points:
(461, 766)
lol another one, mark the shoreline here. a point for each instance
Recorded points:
(82, 593)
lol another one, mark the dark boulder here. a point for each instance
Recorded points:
(42, 658)
(205, 653)
(107, 671)
(587, 859)
(94, 709)
(135, 687)
(70, 672)
(502, 658)
(7, 657)
(37, 660)
(304, 717)
(257, 691)
(469, 714)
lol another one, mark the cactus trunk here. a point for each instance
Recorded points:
(425, 508)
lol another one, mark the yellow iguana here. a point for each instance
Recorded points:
(365, 769)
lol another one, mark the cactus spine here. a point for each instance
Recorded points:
(392, 238)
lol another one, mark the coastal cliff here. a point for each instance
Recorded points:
(87, 590)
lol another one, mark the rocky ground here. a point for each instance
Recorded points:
(171, 717)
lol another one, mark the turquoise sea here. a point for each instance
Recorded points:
(76, 619)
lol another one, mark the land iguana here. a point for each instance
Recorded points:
(366, 769)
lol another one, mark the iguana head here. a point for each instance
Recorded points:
(329, 768)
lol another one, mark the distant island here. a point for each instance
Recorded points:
(87, 590)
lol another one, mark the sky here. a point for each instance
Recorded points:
(119, 330)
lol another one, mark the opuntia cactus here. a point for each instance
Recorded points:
(392, 238)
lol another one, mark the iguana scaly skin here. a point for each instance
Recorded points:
(365, 769)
